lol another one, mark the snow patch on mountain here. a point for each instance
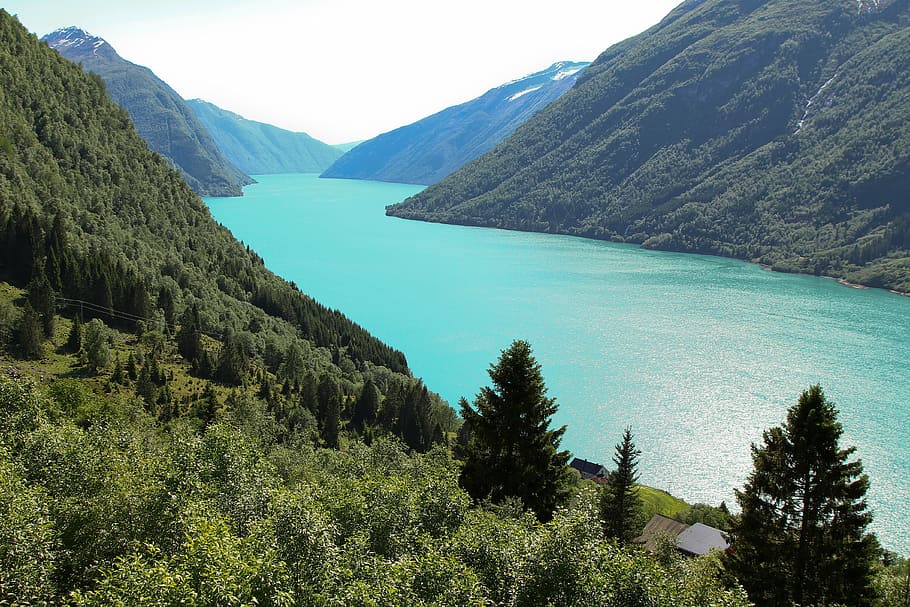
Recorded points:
(562, 74)
(524, 92)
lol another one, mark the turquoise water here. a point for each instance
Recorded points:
(698, 354)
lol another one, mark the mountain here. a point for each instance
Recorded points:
(347, 147)
(771, 131)
(87, 209)
(161, 116)
(426, 151)
(258, 148)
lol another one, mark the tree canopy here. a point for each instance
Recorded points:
(801, 538)
(620, 505)
(512, 452)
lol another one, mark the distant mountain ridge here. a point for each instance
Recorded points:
(771, 131)
(429, 149)
(259, 148)
(161, 116)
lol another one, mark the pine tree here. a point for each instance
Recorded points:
(367, 406)
(41, 296)
(74, 341)
(620, 506)
(801, 538)
(512, 452)
(30, 333)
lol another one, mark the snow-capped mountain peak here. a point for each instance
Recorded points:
(74, 38)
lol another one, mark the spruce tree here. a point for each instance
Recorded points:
(367, 406)
(620, 506)
(74, 341)
(512, 451)
(42, 298)
(801, 538)
(30, 333)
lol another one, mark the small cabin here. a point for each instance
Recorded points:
(589, 470)
(691, 540)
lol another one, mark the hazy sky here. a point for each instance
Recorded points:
(345, 70)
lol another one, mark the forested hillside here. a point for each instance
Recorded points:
(426, 151)
(259, 148)
(776, 132)
(91, 219)
(161, 116)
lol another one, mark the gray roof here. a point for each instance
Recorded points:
(699, 539)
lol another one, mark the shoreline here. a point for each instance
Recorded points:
(842, 281)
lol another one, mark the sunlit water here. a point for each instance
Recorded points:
(698, 354)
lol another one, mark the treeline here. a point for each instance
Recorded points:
(697, 136)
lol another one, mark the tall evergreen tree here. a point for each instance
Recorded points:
(367, 406)
(41, 296)
(30, 333)
(512, 452)
(801, 538)
(620, 506)
(74, 341)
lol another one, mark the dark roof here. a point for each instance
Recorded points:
(658, 526)
(587, 468)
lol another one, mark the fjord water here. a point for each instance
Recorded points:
(698, 354)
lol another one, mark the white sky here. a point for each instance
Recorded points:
(345, 70)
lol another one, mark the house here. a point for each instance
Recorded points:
(657, 527)
(700, 539)
(694, 540)
(589, 470)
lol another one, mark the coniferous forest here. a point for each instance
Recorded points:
(179, 426)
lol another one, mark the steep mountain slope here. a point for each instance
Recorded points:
(84, 202)
(258, 148)
(161, 116)
(771, 131)
(426, 151)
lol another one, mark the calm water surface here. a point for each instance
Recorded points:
(698, 354)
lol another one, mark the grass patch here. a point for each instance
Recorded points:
(657, 501)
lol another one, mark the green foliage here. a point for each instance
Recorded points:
(97, 343)
(30, 333)
(10, 321)
(27, 542)
(125, 510)
(620, 505)
(512, 452)
(801, 537)
(713, 516)
(74, 340)
(892, 583)
(41, 297)
(776, 132)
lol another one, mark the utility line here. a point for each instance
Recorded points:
(119, 314)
